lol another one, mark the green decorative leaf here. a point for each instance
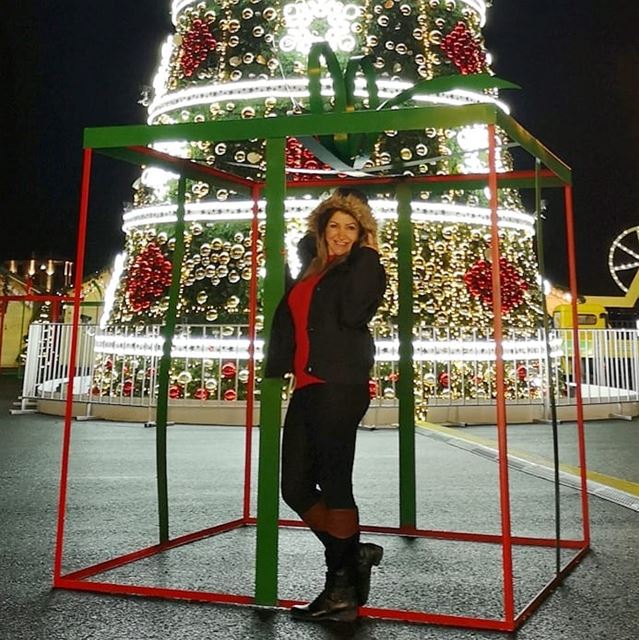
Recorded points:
(475, 82)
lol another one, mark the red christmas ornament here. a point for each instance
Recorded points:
(522, 373)
(393, 377)
(299, 157)
(148, 279)
(197, 44)
(95, 390)
(201, 394)
(127, 388)
(229, 370)
(230, 395)
(372, 388)
(463, 50)
(479, 281)
(444, 379)
(175, 391)
(108, 365)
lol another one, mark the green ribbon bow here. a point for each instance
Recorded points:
(347, 151)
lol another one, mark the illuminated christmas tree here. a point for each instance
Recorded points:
(236, 59)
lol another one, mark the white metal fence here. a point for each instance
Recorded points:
(210, 363)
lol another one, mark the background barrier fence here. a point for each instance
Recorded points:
(210, 364)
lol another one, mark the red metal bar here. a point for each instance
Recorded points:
(82, 229)
(504, 492)
(146, 552)
(440, 619)
(464, 536)
(182, 164)
(3, 311)
(227, 598)
(250, 397)
(153, 592)
(534, 604)
(55, 311)
(428, 179)
(572, 271)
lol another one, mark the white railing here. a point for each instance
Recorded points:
(210, 363)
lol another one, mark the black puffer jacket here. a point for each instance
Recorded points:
(343, 302)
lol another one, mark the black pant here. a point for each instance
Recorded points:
(318, 446)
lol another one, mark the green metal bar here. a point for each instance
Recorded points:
(167, 331)
(516, 132)
(549, 368)
(405, 384)
(412, 118)
(271, 388)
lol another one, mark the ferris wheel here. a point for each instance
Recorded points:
(623, 257)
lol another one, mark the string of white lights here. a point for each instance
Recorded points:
(386, 350)
(478, 6)
(178, 6)
(251, 90)
(238, 210)
(109, 294)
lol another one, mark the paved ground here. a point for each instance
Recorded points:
(111, 510)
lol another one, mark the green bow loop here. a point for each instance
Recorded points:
(318, 51)
(365, 63)
(361, 145)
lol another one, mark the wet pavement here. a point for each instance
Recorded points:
(112, 510)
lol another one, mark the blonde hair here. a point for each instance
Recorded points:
(348, 201)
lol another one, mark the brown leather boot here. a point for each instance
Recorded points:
(337, 602)
(368, 555)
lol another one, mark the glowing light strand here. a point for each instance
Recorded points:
(478, 6)
(109, 294)
(295, 88)
(237, 210)
(386, 350)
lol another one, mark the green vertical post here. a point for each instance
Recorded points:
(271, 388)
(405, 383)
(167, 331)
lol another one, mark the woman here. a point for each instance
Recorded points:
(320, 334)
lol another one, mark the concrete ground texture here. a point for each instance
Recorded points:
(112, 509)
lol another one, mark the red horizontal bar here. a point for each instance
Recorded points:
(120, 561)
(437, 179)
(420, 616)
(448, 535)
(238, 599)
(191, 164)
(153, 592)
(534, 604)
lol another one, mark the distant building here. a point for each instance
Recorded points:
(15, 317)
(47, 276)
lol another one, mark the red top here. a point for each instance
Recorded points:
(299, 302)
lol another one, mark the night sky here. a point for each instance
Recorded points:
(66, 65)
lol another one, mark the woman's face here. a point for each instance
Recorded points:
(342, 231)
